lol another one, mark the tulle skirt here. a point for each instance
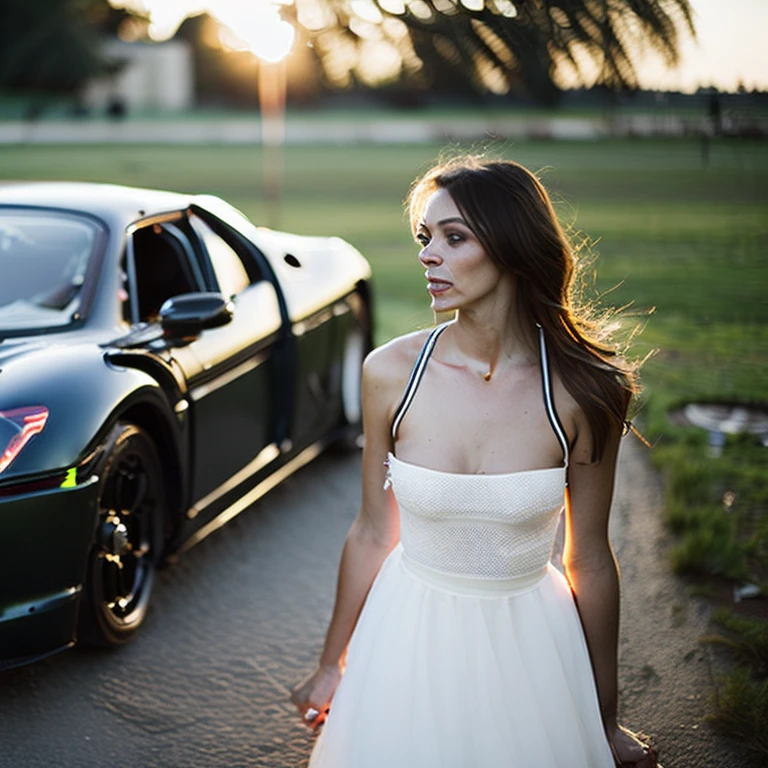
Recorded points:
(450, 672)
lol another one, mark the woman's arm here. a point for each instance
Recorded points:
(371, 538)
(591, 567)
(593, 575)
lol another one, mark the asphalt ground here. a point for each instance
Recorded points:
(241, 617)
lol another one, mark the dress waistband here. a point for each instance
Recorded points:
(470, 585)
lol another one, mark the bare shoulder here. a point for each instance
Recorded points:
(577, 426)
(573, 418)
(566, 404)
(387, 369)
(385, 376)
(392, 362)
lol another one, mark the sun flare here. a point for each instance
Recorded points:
(255, 26)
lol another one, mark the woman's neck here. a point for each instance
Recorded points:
(487, 342)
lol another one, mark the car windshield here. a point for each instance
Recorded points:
(44, 258)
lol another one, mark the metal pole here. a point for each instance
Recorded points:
(272, 86)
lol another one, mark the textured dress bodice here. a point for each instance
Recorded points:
(479, 526)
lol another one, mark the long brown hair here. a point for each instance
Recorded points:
(512, 215)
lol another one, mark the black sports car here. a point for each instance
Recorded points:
(163, 363)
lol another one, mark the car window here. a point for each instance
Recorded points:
(44, 261)
(164, 266)
(231, 273)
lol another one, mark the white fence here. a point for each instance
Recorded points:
(387, 130)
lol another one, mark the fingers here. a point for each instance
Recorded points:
(314, 718)
(312, 697)
(311, 714)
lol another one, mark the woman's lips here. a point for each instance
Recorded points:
(436, 287)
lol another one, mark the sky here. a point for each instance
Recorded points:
(730, 47)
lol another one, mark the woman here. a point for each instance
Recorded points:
(468, 649)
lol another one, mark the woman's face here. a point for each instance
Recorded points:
(459, 273)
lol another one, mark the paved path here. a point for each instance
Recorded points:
(242, 616)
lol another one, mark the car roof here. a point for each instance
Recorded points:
(113, 203)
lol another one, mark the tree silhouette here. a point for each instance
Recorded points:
(53, 45)
(497, 46)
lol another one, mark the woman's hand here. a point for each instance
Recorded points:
(628, 750)
(312, 696)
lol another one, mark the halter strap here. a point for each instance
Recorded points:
(549, 402)
(420, 367)
(416, 375)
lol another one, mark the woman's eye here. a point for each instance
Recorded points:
(422, 239)
(454, 238)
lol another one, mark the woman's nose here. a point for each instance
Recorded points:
(429, 256)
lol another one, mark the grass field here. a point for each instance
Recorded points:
(670, 232)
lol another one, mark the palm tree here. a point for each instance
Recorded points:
(524, 46)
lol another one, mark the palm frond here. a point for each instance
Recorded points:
(528, 41)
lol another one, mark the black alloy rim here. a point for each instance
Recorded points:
(127, 522)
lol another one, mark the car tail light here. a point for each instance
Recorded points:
(17, 427)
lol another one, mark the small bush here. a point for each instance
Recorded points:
(740, 706)
(708, 545)
(690, 482)
(748, 638)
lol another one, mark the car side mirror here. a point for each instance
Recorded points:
(186, 316)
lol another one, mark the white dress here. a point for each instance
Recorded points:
(469, 651)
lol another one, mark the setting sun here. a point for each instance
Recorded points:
(255, 27)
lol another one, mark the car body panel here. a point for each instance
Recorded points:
(229, 373)
(42, 575)
(86, 393)
(316, 273)
(319, 278)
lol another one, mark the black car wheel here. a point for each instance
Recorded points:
(356, 347)
(128, 540)
(352, 376)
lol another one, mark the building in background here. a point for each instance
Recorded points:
(154, 77)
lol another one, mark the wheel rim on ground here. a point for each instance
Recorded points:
(352, 372)
(128, 538)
